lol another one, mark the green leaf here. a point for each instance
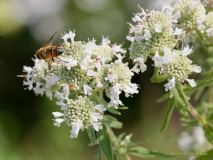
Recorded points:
(112, 122)
(163, 98)
(123, 107)
(92, 137)
(105, 144)
(113, 111)
(168, 113)
(206, 156)
(145, 153)
(178, 98)
(208, 130)
(156, 77)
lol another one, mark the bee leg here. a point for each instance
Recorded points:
(49, 63)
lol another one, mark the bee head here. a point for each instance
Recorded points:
(59, 51)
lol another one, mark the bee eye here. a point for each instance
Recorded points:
(59, 51)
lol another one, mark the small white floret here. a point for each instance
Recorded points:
(76, 126)
(191, 82)
(170, 85)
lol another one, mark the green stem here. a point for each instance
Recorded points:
(201, 37)
(190, 107)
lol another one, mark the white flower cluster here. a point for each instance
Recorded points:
(209, 24)
(176, 66)
(159, 34)
(78, 80)
(151, 32)
(193, 141)
(192, 16)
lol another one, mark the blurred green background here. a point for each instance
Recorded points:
(26, 127)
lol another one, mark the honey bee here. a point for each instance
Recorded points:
(49, 50)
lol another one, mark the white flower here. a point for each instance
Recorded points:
(209, 32)
(28, 83)
(115, 91)
(166, 8)
(147, 35)
(136, 29)
(72, 77)
(196, 69)
(89, 47)
(160, 60)
(187, 51)
(95, 118)
(69, 37)
(87, 90)
(91, 73)
(130, 89)
(111, 77)
(199, 136)
(118, 49)
(178, 31)
(51, 80)
(76, 126)
(62, 95)
(191, 14)
(130, 38)
(118, 76)
(191, 82)
(105, 41)
(136, 18)
(58, 121)
(28, 72)
(39, 89)
(115, 102)
(40, 65)
(170, 85)
(200, 20)
(97, 126)
(176, 66)
(100, 107)
(194, 141)
(99, 84)
(139, 65)
(158, 28)
(69, 62)
(57, 114)
(185, 142)
(80, 114)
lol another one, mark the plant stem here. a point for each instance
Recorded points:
(191, 108)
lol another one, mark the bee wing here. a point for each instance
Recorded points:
(51, 39)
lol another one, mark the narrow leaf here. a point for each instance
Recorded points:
(105, 144)
(91, 135)
(206, 156)
(208, 130)
(178, 98)
(145, 153)
(168, 114)
(113, 111)
(163, 98)
(112, 122)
